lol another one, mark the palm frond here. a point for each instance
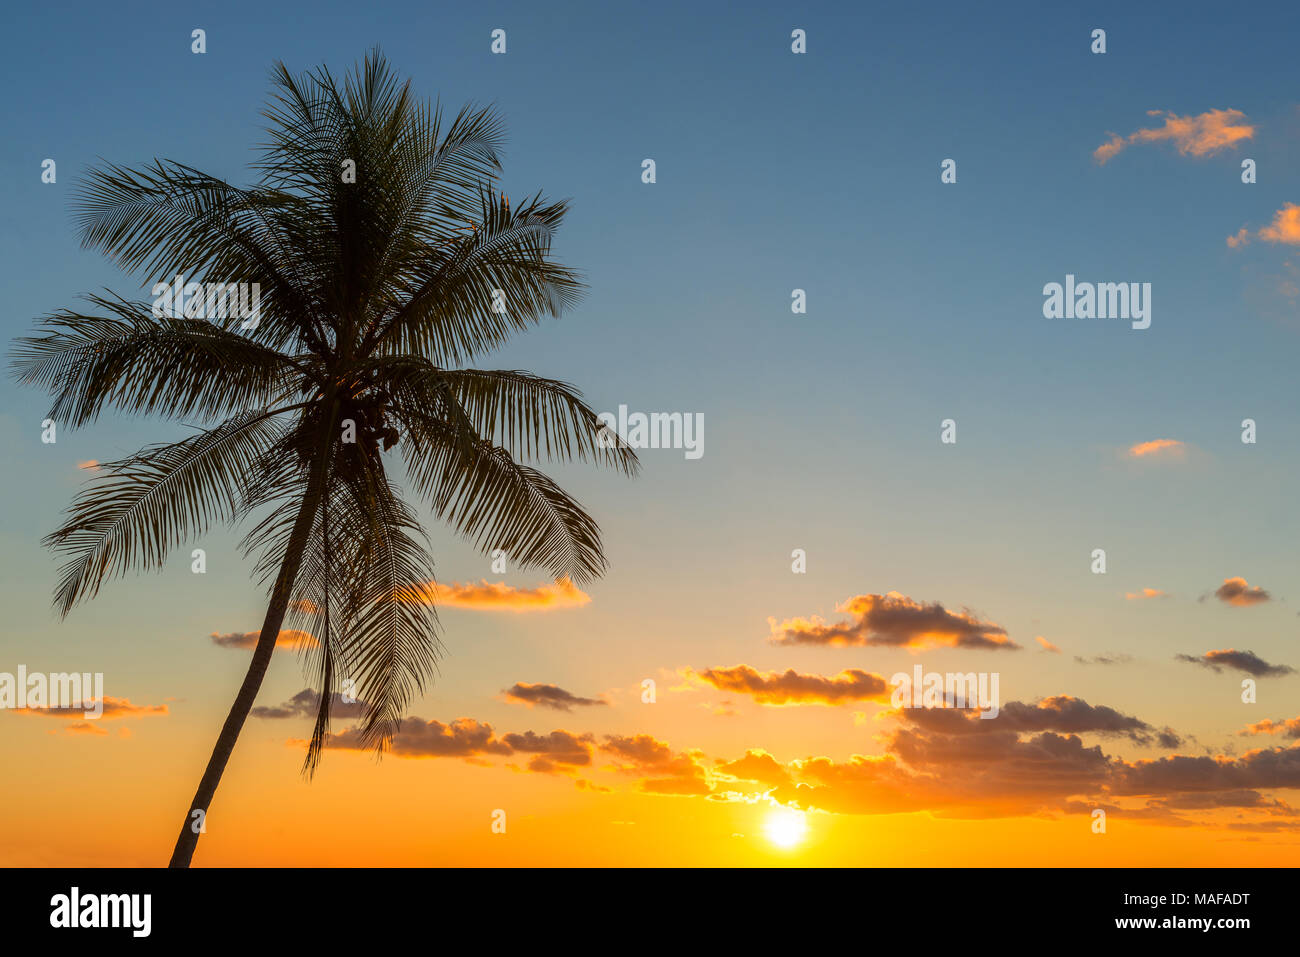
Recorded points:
(138, 363)
(496, 502)
(469, 295)
(140, 507)
(168, 219)
(533, 417)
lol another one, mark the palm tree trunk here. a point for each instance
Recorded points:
(191, 828)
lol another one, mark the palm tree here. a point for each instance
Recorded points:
(376, 289)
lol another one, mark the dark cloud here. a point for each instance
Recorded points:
(552, 750)
(894, 620)
(466, 738)
(417, 738)
(306, 703)
(1104, 660)
(1235, 591)
(1060, 713)
(1246, 661)
(1264, 768)
(547, 696)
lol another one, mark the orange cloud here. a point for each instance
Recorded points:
(1144, 594)
(90, 465)
(1163, 448)
(1240, 238)
(791, 687)
(1289, 728)
(758, 766)
(1030, 760)
(1285, 229)
(82, 727)
(666, 771)
(247, 640)
(896, 621)
(1202, 135)
(1235, 591)
(498, 596)
(1047, 645)
(113, 708)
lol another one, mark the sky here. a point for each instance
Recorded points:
(769, 740)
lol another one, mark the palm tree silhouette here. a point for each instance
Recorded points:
(376, 287)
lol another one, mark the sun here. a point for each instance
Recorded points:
(785, 827)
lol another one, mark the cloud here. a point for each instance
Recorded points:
(547, 696)
(306, 703)
(946, 761)
(467, 738)
(1030, 760)
(1246, 661)
(1204, 135)
(246, 640)
(90, 465)
(1144, 594)
(417, 738)
(498, 596)
(1289, 728)
(1235, 591)
(1166, 449)
(114, 708)
(664, 771)
(894, 620)
(757, 766)
(792, 688)
(83, 727)
(1060, 713)
(723, 710)
(1104, 659)
(551, 751)
(1285, 229)
(1070, 715)
(1243, 798)
(1001, 774)
(1047, 645)
(1263, 768)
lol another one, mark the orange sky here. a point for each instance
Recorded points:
(729, 764)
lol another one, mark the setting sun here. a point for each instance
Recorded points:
(785, 827)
